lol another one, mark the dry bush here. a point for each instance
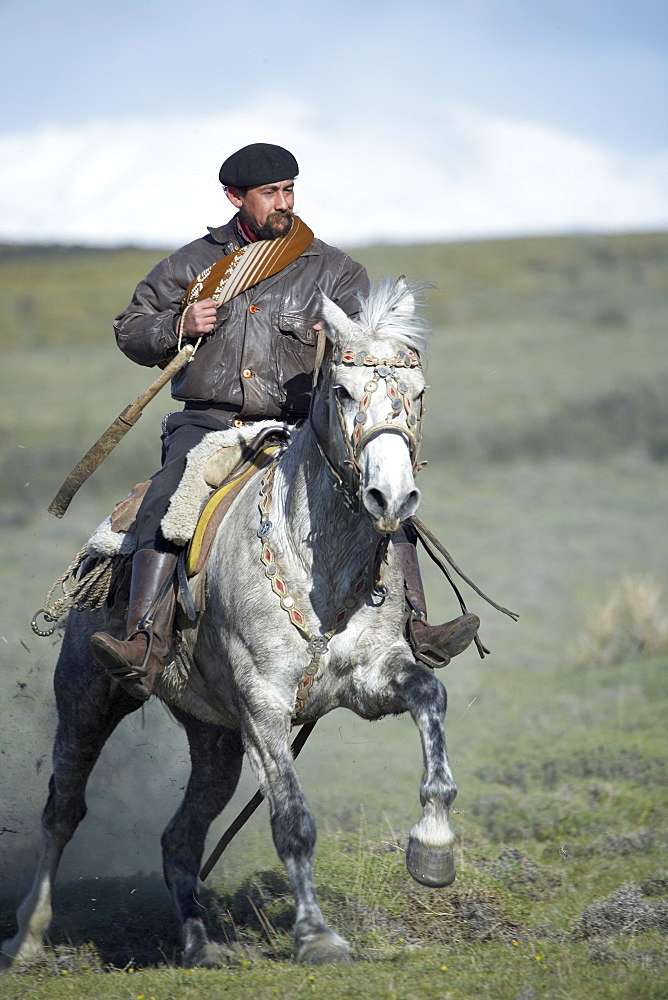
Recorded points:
(631, 624)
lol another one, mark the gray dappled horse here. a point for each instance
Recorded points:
(305, 613)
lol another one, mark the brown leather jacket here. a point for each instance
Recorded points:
(258, 359)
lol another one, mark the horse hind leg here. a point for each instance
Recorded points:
(293, 830)
(79, 740)
(34, 913)
(216, 757)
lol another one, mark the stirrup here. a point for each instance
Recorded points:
(126, 675)
(436, 654)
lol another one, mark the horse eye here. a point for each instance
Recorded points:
(343, 393)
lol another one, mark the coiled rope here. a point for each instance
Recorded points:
(89, 590)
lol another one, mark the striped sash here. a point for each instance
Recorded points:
(236, 272)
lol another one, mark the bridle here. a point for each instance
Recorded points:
(348, 474)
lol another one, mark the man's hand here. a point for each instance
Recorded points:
(200, 318)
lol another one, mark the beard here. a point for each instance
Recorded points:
(277, 224)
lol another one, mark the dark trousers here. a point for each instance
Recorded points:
(182, 432)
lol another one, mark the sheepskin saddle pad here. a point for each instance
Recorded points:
(216, 471)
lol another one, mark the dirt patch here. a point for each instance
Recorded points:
(458, 913)
(625, 911)
(519, 873)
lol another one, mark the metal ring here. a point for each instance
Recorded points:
(47, 618)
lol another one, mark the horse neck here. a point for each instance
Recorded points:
(318, 529)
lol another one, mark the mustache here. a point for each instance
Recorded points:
(285, 213)
(273, 227)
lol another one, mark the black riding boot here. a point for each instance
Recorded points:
(432, 645)
(138, 661)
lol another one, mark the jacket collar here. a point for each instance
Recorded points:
(223, 234)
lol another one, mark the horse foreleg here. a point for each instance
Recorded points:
(216, 756)
(430, 851)
(412, 688)
(293, 830)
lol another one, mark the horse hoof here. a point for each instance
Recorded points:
(324, 948)
(211, 956)
(430, 866)
(14, 952)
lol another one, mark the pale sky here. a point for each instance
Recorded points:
(429, 120)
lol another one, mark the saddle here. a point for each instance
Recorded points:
(217, 507)
(217, 471)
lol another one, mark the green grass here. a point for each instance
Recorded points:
(562, 887)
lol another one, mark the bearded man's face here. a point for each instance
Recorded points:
(267, 209)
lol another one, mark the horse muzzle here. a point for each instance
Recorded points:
(388, 512)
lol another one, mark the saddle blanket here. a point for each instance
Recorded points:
(195, 512)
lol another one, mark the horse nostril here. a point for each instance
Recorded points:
(375, 501)
(410, 504)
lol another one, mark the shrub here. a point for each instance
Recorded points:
(629, 625)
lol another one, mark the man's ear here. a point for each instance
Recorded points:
(234, 194)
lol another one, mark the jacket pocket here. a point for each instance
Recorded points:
(297, 327)
(295, 359)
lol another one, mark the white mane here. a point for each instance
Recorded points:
(388, 314)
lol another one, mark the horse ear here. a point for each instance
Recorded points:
(405, 306)
(338, 322)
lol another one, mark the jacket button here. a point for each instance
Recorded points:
(247, 373)
(253, 309)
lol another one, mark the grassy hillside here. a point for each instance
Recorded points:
(541, 347)
(547, 440)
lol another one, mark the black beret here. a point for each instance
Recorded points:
(259, 163)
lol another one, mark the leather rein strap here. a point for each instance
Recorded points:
(440, 555)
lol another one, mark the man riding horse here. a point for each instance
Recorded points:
(254, 316)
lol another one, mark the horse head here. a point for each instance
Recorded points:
(368, 411)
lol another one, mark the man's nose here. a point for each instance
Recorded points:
(280, 202)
